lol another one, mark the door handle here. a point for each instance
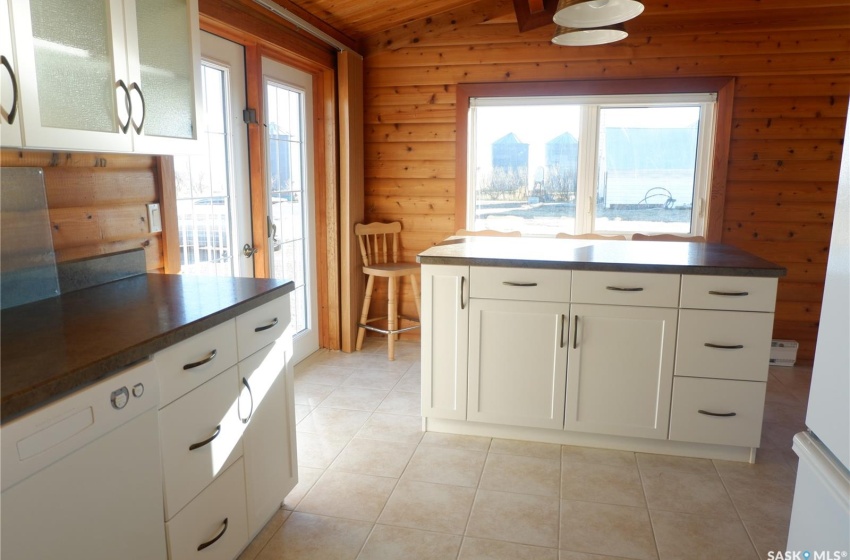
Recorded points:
(207, 441)
(135, 86)
(126, 126)
(575, 333)
(563, 327)
(462, 282)
(213, 541)
(10, 118)
(210, 357)
(724, 346)
(248, 251)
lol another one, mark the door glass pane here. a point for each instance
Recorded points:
(204, 195)
(285, 141)
(165, 56)
(646, 168)
(526, 168)
(73, 64)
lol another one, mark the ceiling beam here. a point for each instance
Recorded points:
(531, 14)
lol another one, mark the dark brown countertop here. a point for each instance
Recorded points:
(56, 346)
(672, 257)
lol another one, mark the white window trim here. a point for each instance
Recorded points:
(588, 147)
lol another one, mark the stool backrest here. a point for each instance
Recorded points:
(488, 233)
(587, 236)
(667, 237)
(378, 242)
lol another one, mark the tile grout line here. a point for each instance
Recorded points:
(648, 511)
(737, 511)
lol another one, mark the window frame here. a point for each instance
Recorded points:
(723, 87)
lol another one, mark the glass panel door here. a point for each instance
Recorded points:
(213, 202)
(289, 179)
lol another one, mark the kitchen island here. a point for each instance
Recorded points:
(639, 345)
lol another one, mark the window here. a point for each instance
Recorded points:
(588, 161)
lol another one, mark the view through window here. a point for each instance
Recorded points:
(603, 164)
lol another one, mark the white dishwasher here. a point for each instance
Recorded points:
(81, 478)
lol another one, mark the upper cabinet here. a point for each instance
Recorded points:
(108, 75)
(10, 121)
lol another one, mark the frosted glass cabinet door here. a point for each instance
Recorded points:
(163, 43)
(10, 114)
(71, 59)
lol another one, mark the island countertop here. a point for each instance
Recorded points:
(671, 257)
(53, 347)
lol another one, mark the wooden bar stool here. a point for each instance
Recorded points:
(378, 244)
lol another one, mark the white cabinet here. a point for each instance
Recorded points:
(620, 370)
(10, 116)
(216, 423)
(213, 526)
(517, 362)
(108, 75)
(722, 357)
(445, 331)
(266, 386)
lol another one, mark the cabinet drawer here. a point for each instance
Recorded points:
(724, 344)
(522, 284)
(626, 288)
(735, 293)
(187, 364)
(189, 422)
(262, 325)
(204, 519)
(694, 399)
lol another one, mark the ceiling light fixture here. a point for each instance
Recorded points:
(595, 13)
(582, 37)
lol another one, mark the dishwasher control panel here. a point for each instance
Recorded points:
(40, 438)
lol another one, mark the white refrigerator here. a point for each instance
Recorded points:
(820, 518)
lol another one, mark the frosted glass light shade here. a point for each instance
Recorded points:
(595, 13)
(572, 37)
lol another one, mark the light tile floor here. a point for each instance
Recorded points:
(373, 486)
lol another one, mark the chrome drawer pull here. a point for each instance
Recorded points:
(212, 542)
(520, 284)
(736, 294)
(723, 346)
(207, 441)
(251, 395)
(199, 363)
(616, 289)
(722, 414)
(266, 327)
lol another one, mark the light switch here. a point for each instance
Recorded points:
(154, 218)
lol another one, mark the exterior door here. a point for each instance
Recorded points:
(213, 187)
(290, 187)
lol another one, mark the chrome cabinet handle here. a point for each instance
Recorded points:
(735, 294)
(563, 328)
(462, 282)
(213, 541)
(126, 126)
(520, 284)
(199, 363)
(135, 86)
(575, 333)
(266, 327)
(13, 113)
(207, 441)
(618, 289)
(251, 395)
(720, 414)
(724, 346)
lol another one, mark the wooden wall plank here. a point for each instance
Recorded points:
(97, 202)
(791, 64)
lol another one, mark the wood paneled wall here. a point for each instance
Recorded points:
(791, 61)
(96, 202)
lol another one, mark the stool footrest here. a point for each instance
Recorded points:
(387, 331)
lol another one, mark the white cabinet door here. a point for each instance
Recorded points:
(445, 331)
(266, 405)
(620, 371)
(517, 362)
(164, 68)
(73, 74)
(10, 114)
